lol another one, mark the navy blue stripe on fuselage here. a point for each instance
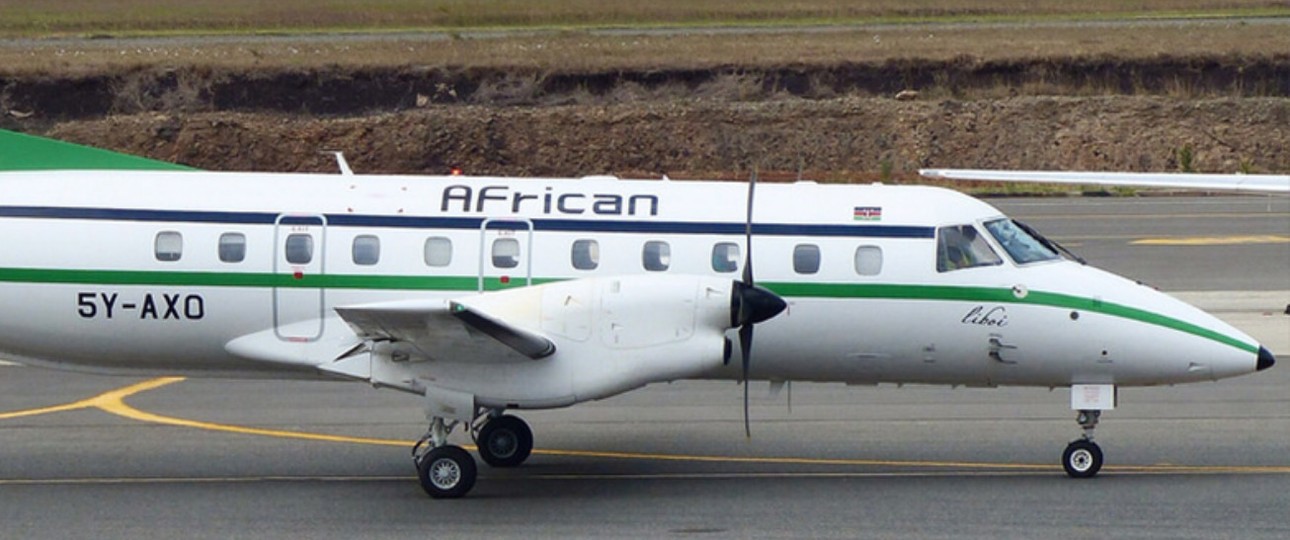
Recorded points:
(469, 223)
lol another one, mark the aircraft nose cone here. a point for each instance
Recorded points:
(1265, 359)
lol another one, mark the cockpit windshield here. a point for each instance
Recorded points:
(961, 246)
(1022, 243)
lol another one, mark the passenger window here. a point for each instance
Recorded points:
(586, 254)
(506, 253)
(169, 246)
(367, 250)
(300, 248)
(725, 257)
(438, 251)
(232, 247)
(868, 260)
(656, 256)
(806, 258)
(961, 246)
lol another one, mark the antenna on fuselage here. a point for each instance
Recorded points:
(341, 163)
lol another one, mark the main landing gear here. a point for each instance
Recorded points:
(504, 441)
(447, 471)
(1083, 457)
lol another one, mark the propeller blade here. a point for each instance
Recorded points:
(745, 301)
(748, 272)
(750, 305)
(745, 344)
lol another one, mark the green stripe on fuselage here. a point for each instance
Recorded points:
(257, 280)
(471, 283)
(1002, 296)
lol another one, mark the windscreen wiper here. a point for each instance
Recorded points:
(1051, 244)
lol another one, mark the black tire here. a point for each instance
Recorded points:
(446, 472)
(1082, 459)
(505, 441)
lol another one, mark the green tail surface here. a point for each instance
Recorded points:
(22, 152)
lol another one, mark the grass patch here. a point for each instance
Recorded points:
(587, 52)
(24, 18)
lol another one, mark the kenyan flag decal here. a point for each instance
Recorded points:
(868, 213)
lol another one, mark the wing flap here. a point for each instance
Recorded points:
(448, 331)
(527, 343)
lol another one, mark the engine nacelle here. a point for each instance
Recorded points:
(616, 334)
(546, 346)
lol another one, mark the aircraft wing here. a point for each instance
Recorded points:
(453, 330)
(1258, 183)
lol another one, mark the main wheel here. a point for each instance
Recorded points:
(1082, 459)
(446, 472)
(505, 441)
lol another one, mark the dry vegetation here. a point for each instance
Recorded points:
(117, 17)
(837, 140)
(584, 52)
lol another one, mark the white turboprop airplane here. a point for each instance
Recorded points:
(482, 295)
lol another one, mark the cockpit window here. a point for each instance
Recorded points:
(961, 246)
(1019, 243)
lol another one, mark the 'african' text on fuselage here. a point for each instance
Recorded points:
(502, 199)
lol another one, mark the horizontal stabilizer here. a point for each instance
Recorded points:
(1258, 183)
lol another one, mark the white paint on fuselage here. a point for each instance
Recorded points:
(844, 335)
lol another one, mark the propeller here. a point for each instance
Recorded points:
(750, 304)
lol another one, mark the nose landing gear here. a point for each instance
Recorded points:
(1083, 457)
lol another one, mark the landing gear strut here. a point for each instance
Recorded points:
(1083, 457)
(504, 440)
(445, 471)
(448, 472)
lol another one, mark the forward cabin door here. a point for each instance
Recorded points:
(505, 254)
(299, 264)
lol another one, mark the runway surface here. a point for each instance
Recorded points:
(1172, 243)
(106, 457)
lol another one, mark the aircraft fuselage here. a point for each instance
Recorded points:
(161, 271)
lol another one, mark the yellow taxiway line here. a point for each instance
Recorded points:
(113, 402)
(1213, 240)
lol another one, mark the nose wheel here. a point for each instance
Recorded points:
(1082, 459)
(504, 441)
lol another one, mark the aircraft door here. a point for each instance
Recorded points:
(505, 253)
(299, 263)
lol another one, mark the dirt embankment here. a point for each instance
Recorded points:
(834, 122)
